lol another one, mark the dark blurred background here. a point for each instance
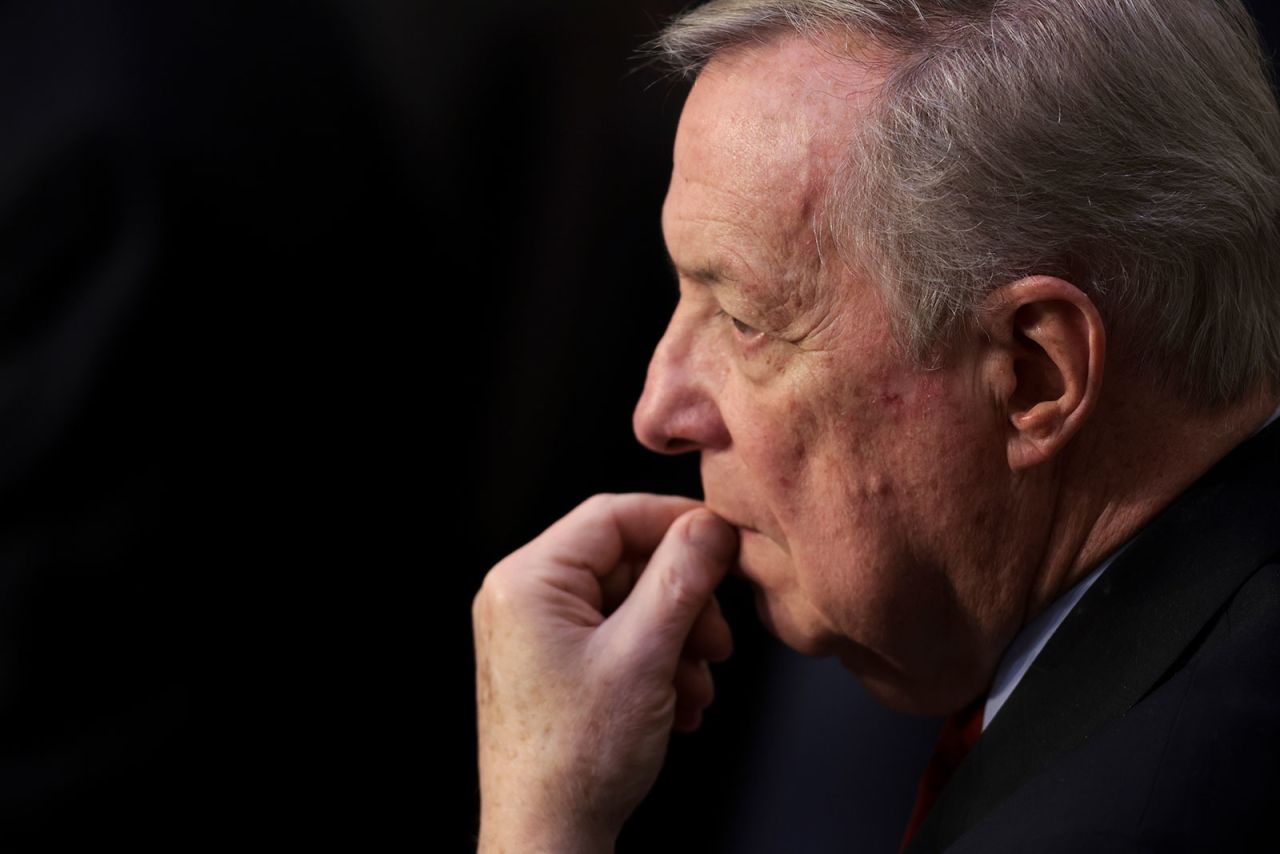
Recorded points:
(310, 312)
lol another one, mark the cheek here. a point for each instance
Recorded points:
(845, 520)
(816, 452)
(957, 448)
(776, 439)
(870, 473)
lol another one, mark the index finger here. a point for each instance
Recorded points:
(606, 529)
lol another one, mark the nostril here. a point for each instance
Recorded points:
(677, 412)
(654, 435)
(678, 446)
(677, 420)
(658, 425)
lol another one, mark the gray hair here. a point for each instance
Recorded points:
(1129, 146)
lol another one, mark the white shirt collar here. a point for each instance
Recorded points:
(1273, 417)
(1027, 645)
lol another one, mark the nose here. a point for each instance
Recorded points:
(678, 410)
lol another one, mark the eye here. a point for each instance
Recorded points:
(746, 330)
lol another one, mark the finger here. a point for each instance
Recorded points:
(693, 683)
(687, 720)
(695, 691)
(616, 585)
(711, 638)
(606, 529)
(595, 552)
(653, 624)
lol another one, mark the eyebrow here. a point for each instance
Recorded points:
(709, 273)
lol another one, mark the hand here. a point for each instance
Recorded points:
(592, 642)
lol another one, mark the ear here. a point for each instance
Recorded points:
(1047, 348)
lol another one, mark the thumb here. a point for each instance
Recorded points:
(653, 624)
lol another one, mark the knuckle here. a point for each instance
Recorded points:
(680, 589)
(601, 502)
(593, 510)
(497, 592)
(501, 597)
(480, 609)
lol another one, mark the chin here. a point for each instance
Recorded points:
(885, 687)
(779, 623)
(891, 688)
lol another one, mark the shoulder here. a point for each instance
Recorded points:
(1193, 766)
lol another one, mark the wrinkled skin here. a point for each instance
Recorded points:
(909, 521)
(592, 643)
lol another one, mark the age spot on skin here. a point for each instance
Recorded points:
(877, 487)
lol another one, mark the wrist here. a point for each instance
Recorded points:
(507, 835)
(520, 820)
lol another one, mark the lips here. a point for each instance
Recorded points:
(742, 528)
(731, 518)
(745, 532)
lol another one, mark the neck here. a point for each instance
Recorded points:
(1138, 454)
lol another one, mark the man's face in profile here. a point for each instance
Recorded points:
(865, 489)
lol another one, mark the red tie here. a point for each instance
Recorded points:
(958, 735)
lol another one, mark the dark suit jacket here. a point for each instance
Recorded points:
(1151, 719)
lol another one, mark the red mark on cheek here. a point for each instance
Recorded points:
(877, 487)
(889, 403)
(927, 393)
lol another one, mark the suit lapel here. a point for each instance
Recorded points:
(1125, 634)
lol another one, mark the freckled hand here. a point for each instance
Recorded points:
(592, 643)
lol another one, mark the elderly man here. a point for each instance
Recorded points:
(978, 340)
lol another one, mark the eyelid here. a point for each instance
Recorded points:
(746, 330)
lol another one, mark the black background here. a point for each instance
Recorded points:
(310, 313)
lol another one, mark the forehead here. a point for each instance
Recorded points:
(761, 133)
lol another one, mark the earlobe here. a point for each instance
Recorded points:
(1049, 346)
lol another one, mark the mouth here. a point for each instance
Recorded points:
(742, 528)
(745, 534)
